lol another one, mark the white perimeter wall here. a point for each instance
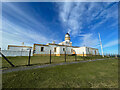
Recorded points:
(16, 53)
(18, 48)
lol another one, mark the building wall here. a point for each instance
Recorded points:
(67, 42)
(92, 51)
(67, 49)
(80, 50)
(37, 49)
(87, 51)
(18, 48)
(15, 53)
(59, 50)
(52, 49)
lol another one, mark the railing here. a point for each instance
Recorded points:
(19, 60)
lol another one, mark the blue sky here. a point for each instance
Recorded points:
(44, 22)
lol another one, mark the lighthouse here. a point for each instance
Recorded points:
(67, 37)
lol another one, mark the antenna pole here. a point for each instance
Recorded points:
(101, 45)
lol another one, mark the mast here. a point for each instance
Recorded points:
(101, 45)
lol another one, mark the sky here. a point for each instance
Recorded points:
(44, 22)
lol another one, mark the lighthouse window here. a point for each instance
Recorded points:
(42, 48)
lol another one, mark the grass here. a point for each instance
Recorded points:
(98, 74)
(35, 60)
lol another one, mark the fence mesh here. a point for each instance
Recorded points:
(45, 59)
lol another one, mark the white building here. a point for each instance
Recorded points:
(18, 48)
(15, 50)
(62, 48)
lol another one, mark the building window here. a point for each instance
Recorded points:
(63, 49)
(55, 49)
(42, 48)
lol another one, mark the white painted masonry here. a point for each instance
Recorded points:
(56, 49)
(59, 49)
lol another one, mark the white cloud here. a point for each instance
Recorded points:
(89, 40)
(72, 15)
(77, 16)
(23, 16)
(69, 16)
(111, 43)
(16, 33)
(105, 15)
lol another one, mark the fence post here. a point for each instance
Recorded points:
(29, 57)
(83, 56)
(65, 56)
(75, 57)
(7, 60)
(115, 55)
(50, 56)
(21, 52)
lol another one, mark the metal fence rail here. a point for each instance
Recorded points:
(28, 59)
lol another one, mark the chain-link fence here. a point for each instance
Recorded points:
(27, 59)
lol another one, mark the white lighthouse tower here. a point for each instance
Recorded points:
(67, 37)
(67, 40)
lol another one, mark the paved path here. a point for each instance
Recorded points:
(42, 66)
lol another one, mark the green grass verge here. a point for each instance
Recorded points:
(35, 60)
(98, 74)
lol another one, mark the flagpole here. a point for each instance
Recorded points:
(101, 45)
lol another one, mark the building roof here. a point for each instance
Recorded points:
(19, 46)
(58, 44)
(67, 33)
(91, 47)
(83, 46)
(75, 46)
(41, 44)
(52, 44)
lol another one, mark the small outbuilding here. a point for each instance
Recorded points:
(19, 48)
